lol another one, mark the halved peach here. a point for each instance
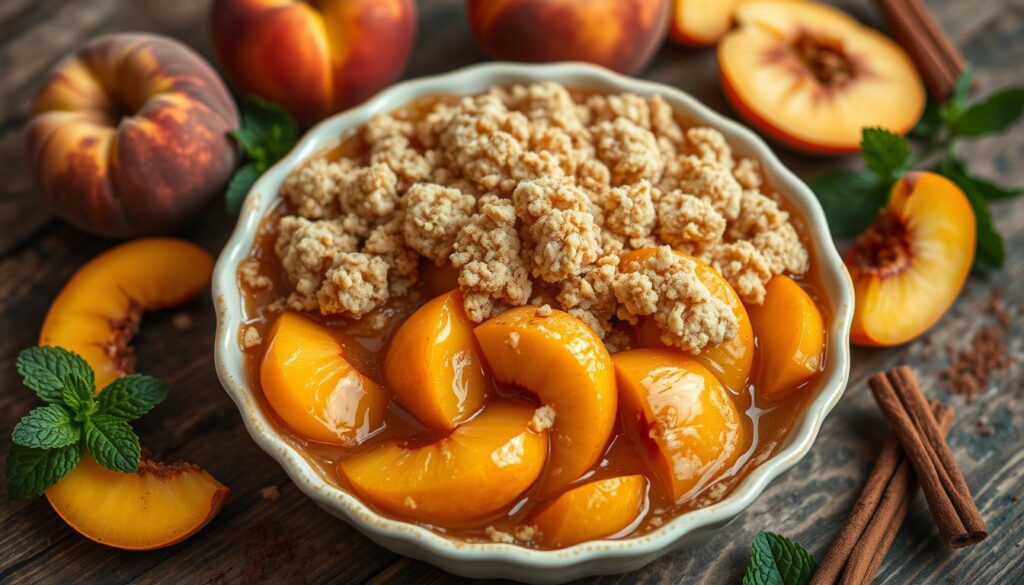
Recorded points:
(811, 76)
(433, 365)
(700, 23)
(314, 388)
(597, 509)
(791, 336)
(156, 506)
(99, 310)
(688, 428)
(480, 468)
(910, 266)
(732, 359)
(563, 362)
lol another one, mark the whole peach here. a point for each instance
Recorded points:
(619, 34)
(313, 58)
(129, 135)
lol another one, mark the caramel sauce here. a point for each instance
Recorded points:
(768, 424)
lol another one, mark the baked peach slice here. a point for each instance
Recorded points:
(811, 76)
(791, 336)
(598, 509)
(700, 23)
(433, 366)
(910, 266)
(731, 360)
(314, 388)
(560, 360)
(688, 429)
(481, 467)
(100, 309)
(156, 506)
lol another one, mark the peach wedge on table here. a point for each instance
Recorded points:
(481, 467)
(682, 419)
(731, 360)
(791, 336)
(565, 365)
(314, 388)
(597, 509)
(433, 366)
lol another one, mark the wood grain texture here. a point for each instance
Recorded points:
(291, 541)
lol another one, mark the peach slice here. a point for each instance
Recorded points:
(910, 266)
(561, 360)
(156, 506)
(700, 23)
(99, 310)
(791, 335)
(314, 388)
(731, 360)
(433, 366)
(597, 509)
(480, 468)
(811, 76)
(688, 428)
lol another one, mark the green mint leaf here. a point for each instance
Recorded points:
(993, 114)
(962, 88)
(30, 471)
(43, 370)
(242, 181)
(130, 397)
(886, 153)
(851, 200)
(78, 394)
(929, 125)
(990, 252)
(250, 140)
(777, 560)
(46, 427)
(112, 443)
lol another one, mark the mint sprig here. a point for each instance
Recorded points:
(777, 560)
(268, 132)
(50, 440)
(852, 199)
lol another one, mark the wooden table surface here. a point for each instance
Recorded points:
(290, 540)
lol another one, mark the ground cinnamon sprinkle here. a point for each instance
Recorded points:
(987, 352)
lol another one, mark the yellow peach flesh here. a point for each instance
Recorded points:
(598, 509)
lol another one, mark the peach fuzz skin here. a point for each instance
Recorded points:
(129, 136)
(619, 34)
(313, 58)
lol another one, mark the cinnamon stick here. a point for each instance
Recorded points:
(915, 427)
(936, 57)
(865, 538)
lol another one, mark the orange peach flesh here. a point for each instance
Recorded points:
(731, 360)
(315, 390)
(433, 366)
(156, 506)
(908, 270)
(99, 309)
(481, 467)
(682, 419)
(560, 360)
(791, 337)
(702, 22)
(812, 77)
(598, 509)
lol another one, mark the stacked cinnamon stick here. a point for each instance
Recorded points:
(935, 56)
(916, 454)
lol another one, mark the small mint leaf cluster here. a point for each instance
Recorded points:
(852, 199)
(777, 560)
(267, 133)
(49, 441)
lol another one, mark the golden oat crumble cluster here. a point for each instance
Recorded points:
(532, 195)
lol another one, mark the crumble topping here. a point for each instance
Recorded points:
(251, 338)
(532, 193)
(543, 419)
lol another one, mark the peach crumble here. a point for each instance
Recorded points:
(537, 294)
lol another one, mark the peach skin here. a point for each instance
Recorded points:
(910, 266)
(129, 136)
(313, 58)
(480, 468)
(561, 360)
(433, 365)
(619, 34)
